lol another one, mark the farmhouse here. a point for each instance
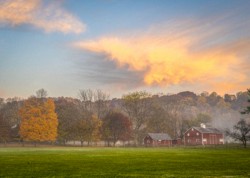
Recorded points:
(157, 139)
(203, 136)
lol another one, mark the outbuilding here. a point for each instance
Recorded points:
(203, 136)
(157, 139)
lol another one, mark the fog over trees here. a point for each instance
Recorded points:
(94, 117)
(241, 131)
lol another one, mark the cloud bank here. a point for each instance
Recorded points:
(178, 54)
(50, 16)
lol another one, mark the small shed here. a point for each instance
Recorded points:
(157, 139)
(203, 136)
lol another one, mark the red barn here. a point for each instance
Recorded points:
(157, 139)
(203, 136)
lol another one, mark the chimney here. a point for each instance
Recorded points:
(203, 125)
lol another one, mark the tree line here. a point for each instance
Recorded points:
(93, 116)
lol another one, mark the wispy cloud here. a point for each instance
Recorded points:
(104, 73)
(49, 16)
(179, 53)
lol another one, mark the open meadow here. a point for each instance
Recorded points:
(124, 162)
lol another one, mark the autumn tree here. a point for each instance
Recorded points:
(10, 111)
(10, 114)
(213, 98)
(175, 107)
(88, 129)
(229, 98)
(116, 126)
(4, 129)
(38, 120)
(4, 125)
(68, 113)
(93, 106)
(200, 118)
(247, 110)
(137, 106)
(159, 120)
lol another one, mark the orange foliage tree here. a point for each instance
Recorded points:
(38, 120)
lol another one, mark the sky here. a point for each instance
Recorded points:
(121, 46)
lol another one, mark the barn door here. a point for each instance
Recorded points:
(213, 140)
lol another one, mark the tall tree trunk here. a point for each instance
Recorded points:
(245, 143)
(136, 137)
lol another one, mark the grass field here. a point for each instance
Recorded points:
(124, 162)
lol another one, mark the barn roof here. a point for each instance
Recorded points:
(159, 136)
(208, 130)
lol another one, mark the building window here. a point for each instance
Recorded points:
(188, 134)
(192, 129)
(197, 133)
(204, 139)
(197, 140)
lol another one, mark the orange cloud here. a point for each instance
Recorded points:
(200, 53)
(169, 61)
(51, 17)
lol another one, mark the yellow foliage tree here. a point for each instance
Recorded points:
(38, 120)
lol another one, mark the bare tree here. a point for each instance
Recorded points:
(242, 128)
(94, 101)
(241, 132)
(87, 97)
(174, 108)
(101, 104)
(41, 93)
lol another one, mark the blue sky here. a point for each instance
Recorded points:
(122, 46)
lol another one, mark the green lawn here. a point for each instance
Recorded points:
(124, 162)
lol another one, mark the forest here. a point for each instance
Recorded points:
(93, 116)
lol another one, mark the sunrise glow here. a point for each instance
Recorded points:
(119, 47)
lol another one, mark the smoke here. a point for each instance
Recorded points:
(225, 121)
